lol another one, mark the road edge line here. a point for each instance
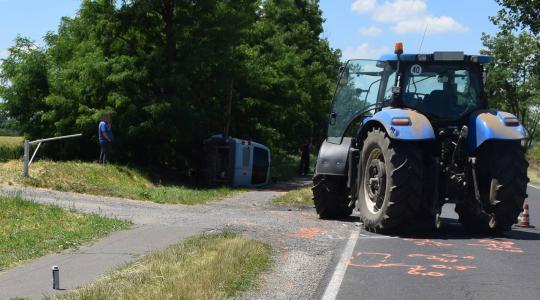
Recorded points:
(533, 186)
(334, 285)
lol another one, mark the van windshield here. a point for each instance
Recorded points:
(443, 91)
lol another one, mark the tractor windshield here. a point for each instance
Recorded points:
(444, 91)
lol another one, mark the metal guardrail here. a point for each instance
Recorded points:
(27, 161)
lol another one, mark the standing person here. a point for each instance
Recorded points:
(305, 151)
(105, 138)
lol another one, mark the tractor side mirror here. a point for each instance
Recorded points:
(484, 77)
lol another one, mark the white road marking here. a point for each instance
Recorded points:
(337, 278)
(377, 237)
(534, 186)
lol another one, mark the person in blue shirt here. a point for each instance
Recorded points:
(105, 138)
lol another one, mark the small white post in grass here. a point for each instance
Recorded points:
(27, 160)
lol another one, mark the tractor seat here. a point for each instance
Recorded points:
(439, 102)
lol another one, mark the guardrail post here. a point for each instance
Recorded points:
(26, 157)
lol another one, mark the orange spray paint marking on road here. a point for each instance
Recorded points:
(426, 242)
(308, 233)
(493, 245)
(419, 270)
(463, 268)
(378, 260)
(435, 257)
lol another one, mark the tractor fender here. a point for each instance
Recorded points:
(488, 125)
(419, 129)
(332, 159)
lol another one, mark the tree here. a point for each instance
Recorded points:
(24, 85)
(174, 73)
(513, 83)
(292, 73)
(519, 14)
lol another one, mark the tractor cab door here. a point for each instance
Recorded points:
(356, 94)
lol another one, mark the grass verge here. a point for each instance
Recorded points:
(300, 197)
(108, 180)
(217, 266)
(11, 147)
(533, 156)
(29, 230)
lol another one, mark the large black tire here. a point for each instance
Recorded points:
(391, 185)
(331, 197)
(502, 181)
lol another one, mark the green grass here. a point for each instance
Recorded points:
(108, 180)
(29, 230)
(533, 156)
(11, 147)
(300, 197)
(217, 266)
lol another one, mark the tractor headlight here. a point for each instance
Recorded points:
(401, 121)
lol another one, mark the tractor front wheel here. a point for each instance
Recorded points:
(390, 189)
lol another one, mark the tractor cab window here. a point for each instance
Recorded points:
(442, 90)
(388, 94)
(356, 94)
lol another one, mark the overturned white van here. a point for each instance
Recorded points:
(236, 162)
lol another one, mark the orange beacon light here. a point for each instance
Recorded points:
(398, 49)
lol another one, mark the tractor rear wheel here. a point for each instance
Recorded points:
(331, 197)
(390, 189)
(502, 180)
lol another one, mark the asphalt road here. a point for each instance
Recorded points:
(449, 264)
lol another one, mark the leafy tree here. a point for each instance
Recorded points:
(24, 85)
(294, 72)
(173, 73)
(519, 14)
(513, 82)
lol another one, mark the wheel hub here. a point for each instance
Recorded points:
(375, 181)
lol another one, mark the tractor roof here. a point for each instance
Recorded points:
(438, 56)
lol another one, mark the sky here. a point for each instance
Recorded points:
(369, 28)
(361, 28)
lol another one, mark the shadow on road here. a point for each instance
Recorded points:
(451, 229)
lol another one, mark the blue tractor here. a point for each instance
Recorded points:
(410, 132)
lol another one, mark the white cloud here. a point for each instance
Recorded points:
(434, 25)
(408, 16)
(370, 31)
(390, 12)
(363, 6)
(364, 51)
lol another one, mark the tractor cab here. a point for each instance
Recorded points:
(444, 86)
